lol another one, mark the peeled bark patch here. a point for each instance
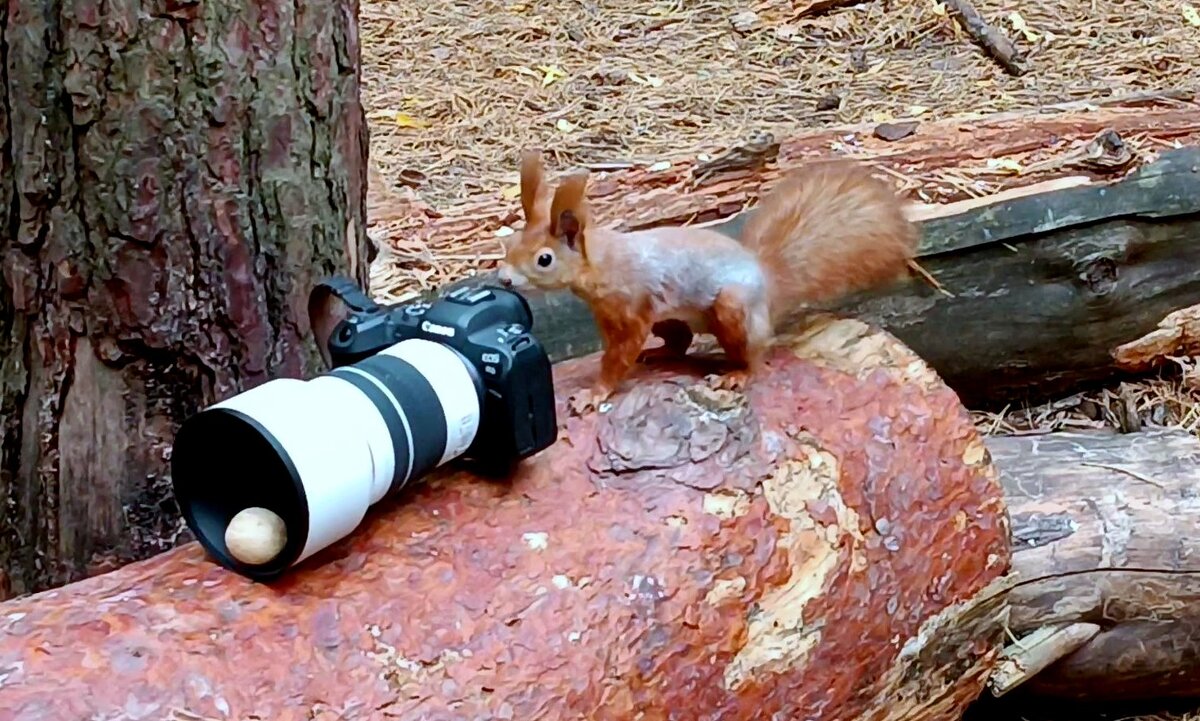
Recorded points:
(817, 548)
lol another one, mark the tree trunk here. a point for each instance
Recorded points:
(1041, 284)
(827, 545)
(172, 177)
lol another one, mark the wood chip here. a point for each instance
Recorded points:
(895, 131)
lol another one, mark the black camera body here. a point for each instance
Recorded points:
(489, 327)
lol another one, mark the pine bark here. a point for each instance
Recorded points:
(830, 543)
(172, 177)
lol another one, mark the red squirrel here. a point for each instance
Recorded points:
(826, 231)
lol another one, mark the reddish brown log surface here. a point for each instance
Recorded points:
(172, 177)
(801, 551)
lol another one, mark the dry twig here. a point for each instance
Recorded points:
(995, 42)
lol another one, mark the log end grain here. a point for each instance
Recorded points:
(826, 544)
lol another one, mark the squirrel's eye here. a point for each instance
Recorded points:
(545, 259)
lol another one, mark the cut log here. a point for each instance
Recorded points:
(1037, 287)
(172, 178)
(685, 552)
(1104, 532)
(816, 548)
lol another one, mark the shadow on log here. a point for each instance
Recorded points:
(829, 545)
(1045, 283)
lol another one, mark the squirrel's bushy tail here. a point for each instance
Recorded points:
(829, 230)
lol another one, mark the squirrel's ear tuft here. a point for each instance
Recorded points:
(569, 212)
(531, 183)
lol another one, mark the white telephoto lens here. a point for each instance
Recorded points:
(319, 453)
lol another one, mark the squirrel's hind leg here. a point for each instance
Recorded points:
(676, 336)
(742, 327)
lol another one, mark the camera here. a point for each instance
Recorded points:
(411, 387)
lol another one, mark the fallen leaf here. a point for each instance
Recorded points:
(939, 9)
(564, 125)
(511, 192)
(404, 120)
(880, 116)
(1191, 15)
(551, 73)
(504, 232)
(1007, 164)
(1018, 23)
(916, 110)
(660, 166)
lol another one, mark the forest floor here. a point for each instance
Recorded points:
(454, 91)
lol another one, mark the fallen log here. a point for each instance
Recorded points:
(827, 545)
(1036, 286)
(1104, 529)
(834, 547)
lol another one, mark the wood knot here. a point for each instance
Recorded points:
(1099, 275)
(680, 428)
